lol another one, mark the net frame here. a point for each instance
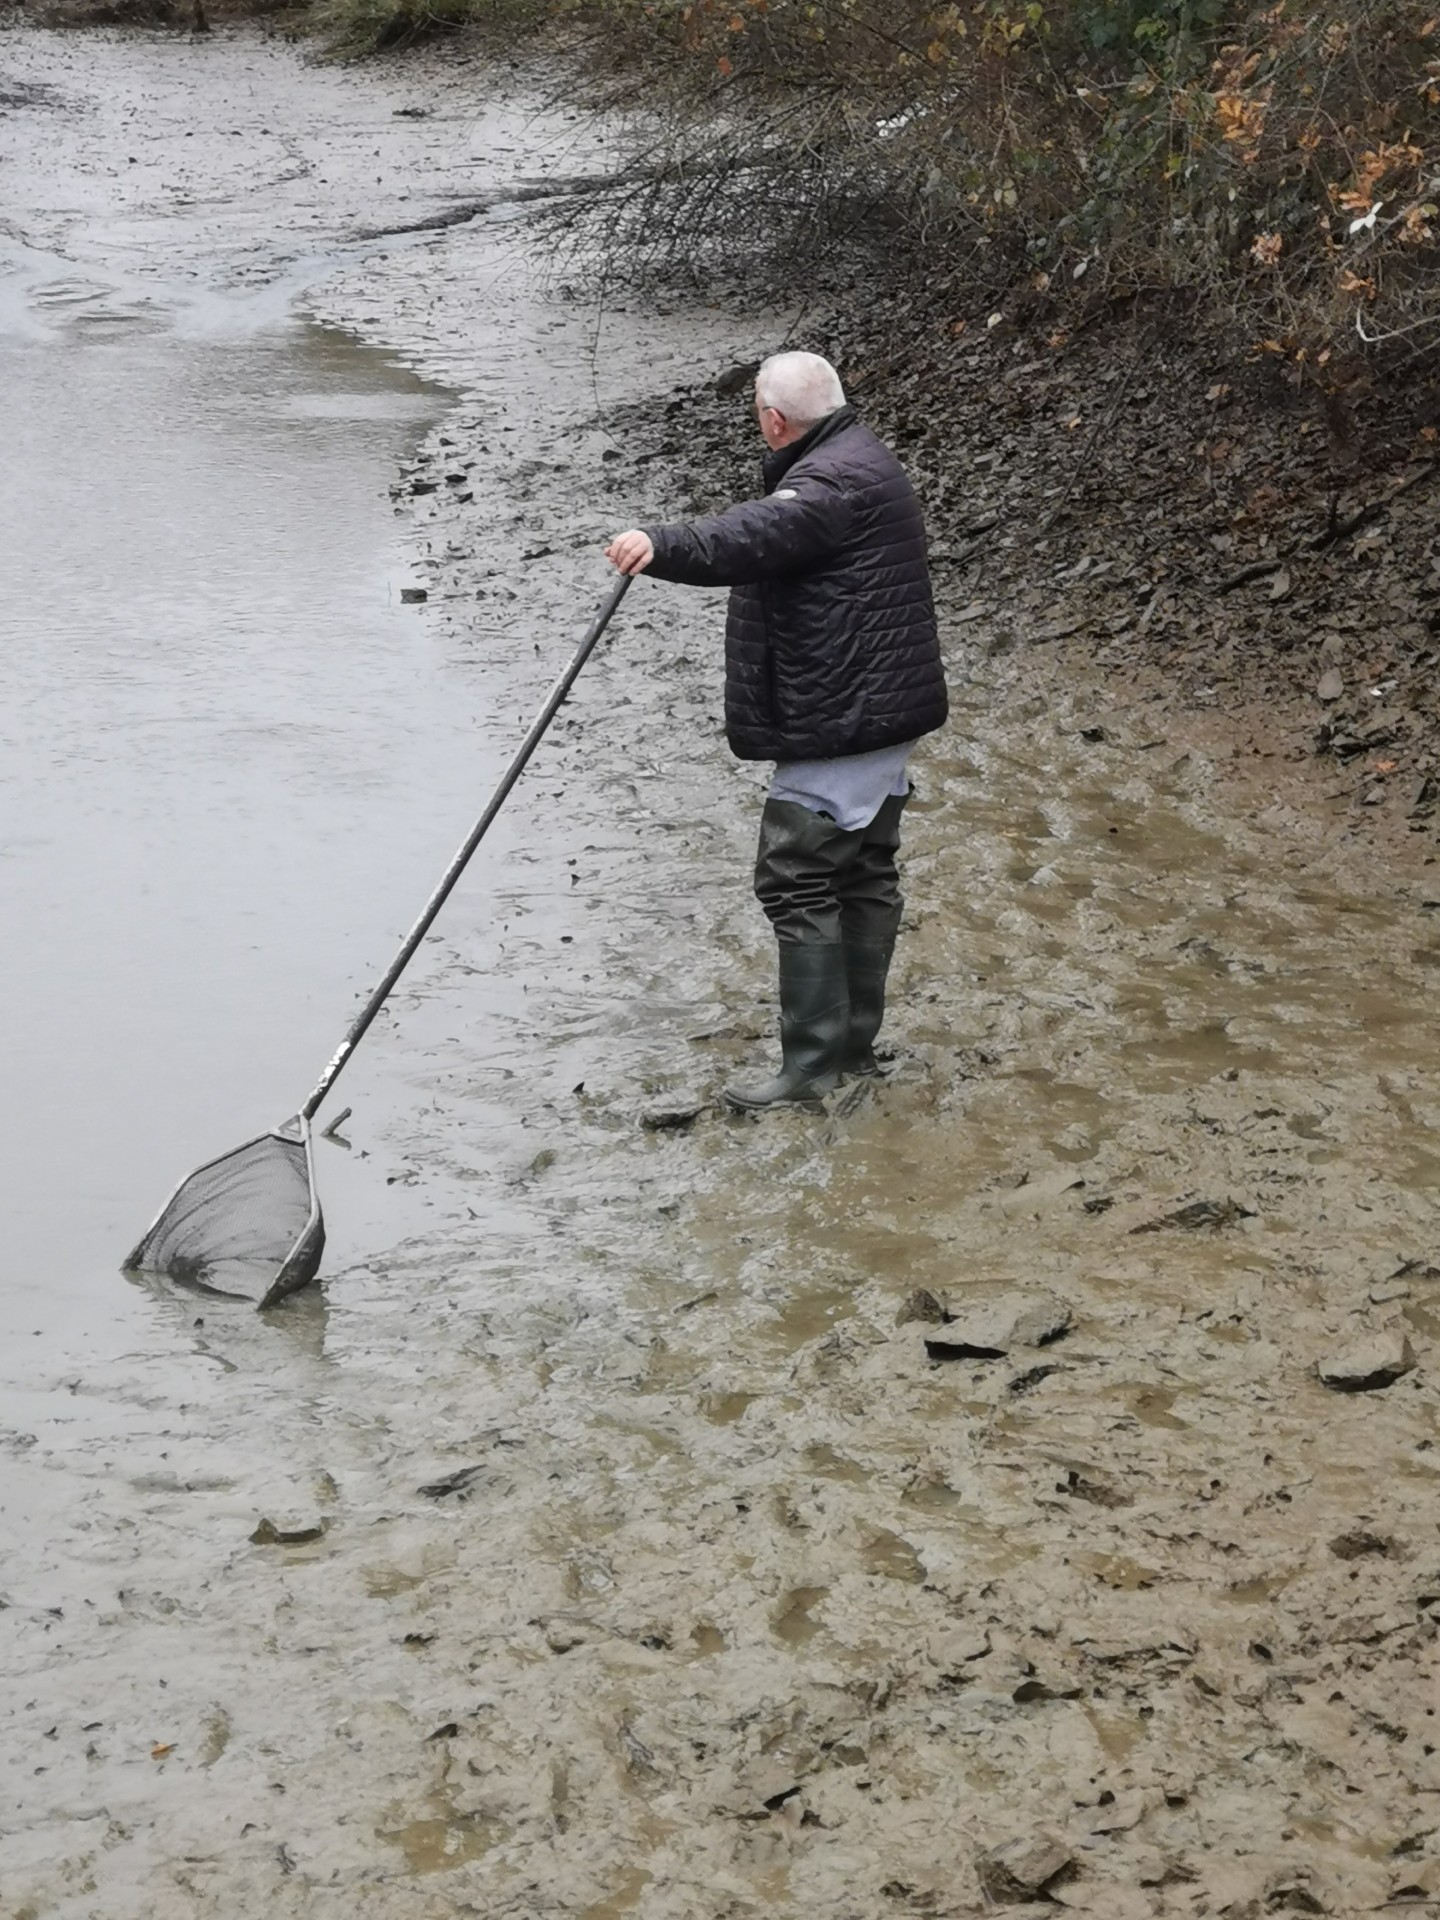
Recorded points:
(295, 1269)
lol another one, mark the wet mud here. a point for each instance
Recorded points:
(1015, 1485)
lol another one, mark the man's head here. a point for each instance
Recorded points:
(792, 392)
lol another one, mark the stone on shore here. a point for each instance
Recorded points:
(1022, 1869)
(1365, 1366)
(990, 1329)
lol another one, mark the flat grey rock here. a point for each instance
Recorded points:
(1386, 1292)
(672, 1116)
(1365, 1366)
(1022, 1868)
(990, 1329)
(952, 1649)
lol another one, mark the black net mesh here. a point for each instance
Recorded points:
(247, 1224)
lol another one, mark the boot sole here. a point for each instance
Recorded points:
(809, 1103)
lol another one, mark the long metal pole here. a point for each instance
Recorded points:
(512, 773)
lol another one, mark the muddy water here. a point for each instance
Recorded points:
(628, 1552)
(226, 738)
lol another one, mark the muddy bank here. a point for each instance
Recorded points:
(643, 1538)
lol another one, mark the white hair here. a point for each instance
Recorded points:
(802, 386)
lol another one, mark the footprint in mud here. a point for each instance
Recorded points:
(724, 1409)
(1151, 1406)
(820, 1457)
(932, 1496)
(893, 1558)
(439, 1845)
(792, 1621)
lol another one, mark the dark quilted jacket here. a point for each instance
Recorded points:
(830, 644)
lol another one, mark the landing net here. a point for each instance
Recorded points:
(247, 1224)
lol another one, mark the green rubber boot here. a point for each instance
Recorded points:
(814, 1023)
(867, 967)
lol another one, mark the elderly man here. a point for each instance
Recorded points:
(832, 670)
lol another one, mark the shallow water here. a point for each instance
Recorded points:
(224, 740)
(234, 760)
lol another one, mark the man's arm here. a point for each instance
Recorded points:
(794, 529)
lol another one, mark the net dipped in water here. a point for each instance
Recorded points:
(247, 1224)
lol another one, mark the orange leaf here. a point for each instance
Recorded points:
(727, 67)
(1242, 117)
(737, 25)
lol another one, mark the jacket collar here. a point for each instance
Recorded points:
(779, 460)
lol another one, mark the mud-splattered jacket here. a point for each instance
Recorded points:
(830, 643)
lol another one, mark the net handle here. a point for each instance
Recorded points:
(554, 701)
